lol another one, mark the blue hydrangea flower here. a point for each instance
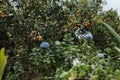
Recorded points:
(44, 45)
(101, 55)
(80, 35)
(89, 35)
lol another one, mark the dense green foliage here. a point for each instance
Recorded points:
(42, 45)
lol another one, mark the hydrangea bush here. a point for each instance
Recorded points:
(59, 40)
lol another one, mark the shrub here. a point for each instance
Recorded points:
(29, 23)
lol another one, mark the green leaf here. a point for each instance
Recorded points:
(3, 61)
(112, 31)
(116, 48)
(94, 77)
(109, 77)
(81, 74)
(65, 75)
(73, 75)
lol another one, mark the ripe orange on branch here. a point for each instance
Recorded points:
(87, 24)
(39, 38)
